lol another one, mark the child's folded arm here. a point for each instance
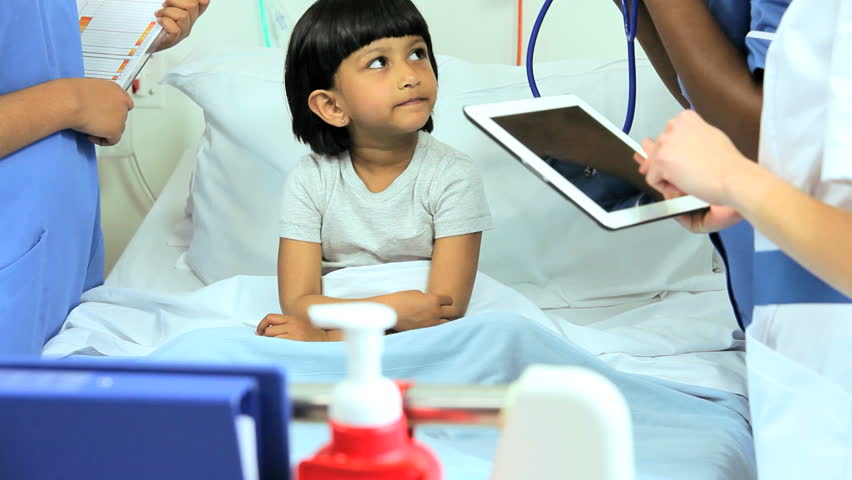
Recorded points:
(453, 271)
(300, 286)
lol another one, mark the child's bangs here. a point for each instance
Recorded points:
(357, 24)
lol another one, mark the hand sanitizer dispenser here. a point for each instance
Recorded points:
(371, 437)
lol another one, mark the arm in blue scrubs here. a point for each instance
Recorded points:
(736, 244)
(51, 248)
(748, 27)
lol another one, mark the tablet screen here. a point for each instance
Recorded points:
(585, 152)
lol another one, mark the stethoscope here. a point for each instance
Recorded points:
(630, 19)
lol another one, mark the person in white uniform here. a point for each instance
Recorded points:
(799, 199)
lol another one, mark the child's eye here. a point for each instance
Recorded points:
(418, 54)
(378, 63)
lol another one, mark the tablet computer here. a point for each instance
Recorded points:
(581, 155)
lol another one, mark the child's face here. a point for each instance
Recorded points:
(388, 86)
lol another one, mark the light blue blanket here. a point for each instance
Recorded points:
(680, 431)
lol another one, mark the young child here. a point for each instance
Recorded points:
(799, 199)
(361, 82)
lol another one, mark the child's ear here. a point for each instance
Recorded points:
(324, 104)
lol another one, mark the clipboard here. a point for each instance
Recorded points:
(118, 37)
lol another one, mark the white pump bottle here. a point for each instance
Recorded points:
(364, 398)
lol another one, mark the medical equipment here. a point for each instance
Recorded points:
(423, 404)
(581, 422)
(157, 412)
(630, 16)
(274, 23)
(584, 418)
(154, 412)
(109, 419)
(370, 434)
(583, 414)
(581, 409)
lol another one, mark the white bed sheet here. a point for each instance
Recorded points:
(690, 337)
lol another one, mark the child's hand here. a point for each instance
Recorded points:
(416, 309)
(177, 18)
(290, 328)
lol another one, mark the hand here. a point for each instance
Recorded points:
(691, 157)
(714, 219)
(99, 109)
(177, 18)
(291, 328)
(416, 309)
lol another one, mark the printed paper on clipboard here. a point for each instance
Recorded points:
(118, 37)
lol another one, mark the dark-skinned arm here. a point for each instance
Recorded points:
(684, 39)
(648, 37)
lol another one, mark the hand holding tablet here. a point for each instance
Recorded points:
(580, 154)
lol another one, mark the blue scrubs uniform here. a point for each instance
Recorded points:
(749, 26)
(51, 246)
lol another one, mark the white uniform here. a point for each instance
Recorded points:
(800, 341)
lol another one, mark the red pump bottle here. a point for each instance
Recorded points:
(370, 435)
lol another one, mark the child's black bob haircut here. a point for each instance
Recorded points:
(327, 34)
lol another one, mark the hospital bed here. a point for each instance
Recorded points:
(648, 302)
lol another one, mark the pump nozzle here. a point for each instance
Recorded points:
(364, 397)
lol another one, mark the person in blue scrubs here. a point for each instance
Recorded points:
(51, 246)
(711, 55)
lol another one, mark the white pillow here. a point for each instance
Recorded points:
(244, 155)
(541, 245)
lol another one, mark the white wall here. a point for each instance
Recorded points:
(482, 31)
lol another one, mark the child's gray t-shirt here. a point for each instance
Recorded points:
(440, 194)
